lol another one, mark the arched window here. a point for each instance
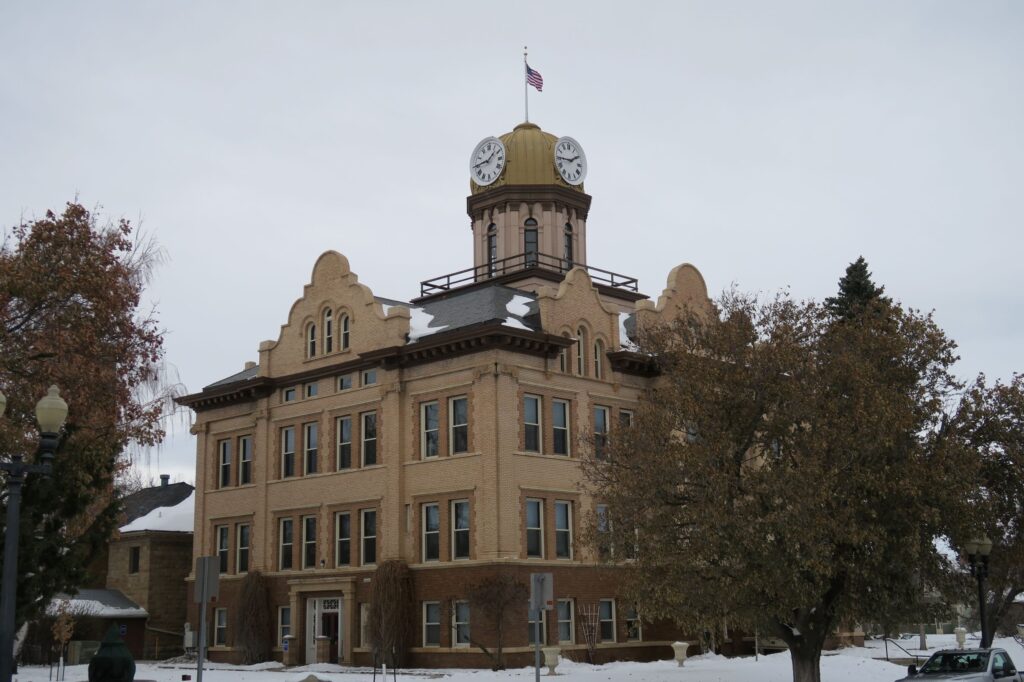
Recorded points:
(581, 353)
(492, 249)
(328, 331)
(530, 247)
(567, 248)
(563, 358)
(598, 354)
(343, 322)
(311, 338)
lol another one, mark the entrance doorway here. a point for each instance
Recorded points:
(324, 623)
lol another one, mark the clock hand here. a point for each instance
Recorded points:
(477, 165)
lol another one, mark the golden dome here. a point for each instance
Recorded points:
(529, 160)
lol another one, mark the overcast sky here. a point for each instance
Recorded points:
(768, 143)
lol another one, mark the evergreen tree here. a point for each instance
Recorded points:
(856, 290)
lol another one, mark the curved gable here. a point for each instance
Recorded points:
(333, 286)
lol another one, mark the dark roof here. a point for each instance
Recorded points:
(249, 373)
(146, 500)
(479, 306)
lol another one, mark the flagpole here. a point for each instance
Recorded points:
(526, 92)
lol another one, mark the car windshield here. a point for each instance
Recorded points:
(956, 662)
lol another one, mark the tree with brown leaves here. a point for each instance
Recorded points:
(779, 477)
(70, 296)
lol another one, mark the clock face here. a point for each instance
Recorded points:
(570, 160)
(487, 161)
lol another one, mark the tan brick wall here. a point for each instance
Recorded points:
(496, 475)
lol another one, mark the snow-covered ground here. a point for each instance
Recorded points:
(846, 665)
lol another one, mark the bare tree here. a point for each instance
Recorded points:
(496, 599)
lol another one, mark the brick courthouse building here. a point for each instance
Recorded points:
(446, 431)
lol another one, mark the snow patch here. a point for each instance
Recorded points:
(421, 324)
(624, 341)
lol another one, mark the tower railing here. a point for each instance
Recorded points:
(521, 263)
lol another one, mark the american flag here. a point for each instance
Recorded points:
(534, 78)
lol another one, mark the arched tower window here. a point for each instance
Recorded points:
(567, 248)
(530, 247)
(328, 331)
(563, 358)
(492, 249)
(344, 324)
(598, 355)
(581, 353)
(311, 341)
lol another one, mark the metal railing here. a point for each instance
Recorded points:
(887, 640)
(519, 263)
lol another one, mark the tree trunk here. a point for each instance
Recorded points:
(806, 662)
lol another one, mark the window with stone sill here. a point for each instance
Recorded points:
(431, 624)
(458, 421)
(431, 519)
(245, 460)
(343, 529)
(284, 623)
(344, 382)
(606, 620)
(287, 543)
(460, 529)
(287, 452)
(134, 559)
(220, 627)
(224, 467)
(328, 331)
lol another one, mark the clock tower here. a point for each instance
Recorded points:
(528, 209)
(527, 201)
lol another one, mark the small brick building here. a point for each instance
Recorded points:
(149, 560)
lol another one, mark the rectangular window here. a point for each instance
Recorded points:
(343, 525)
(460, 529)
(311, 389)
(604, 543)
(606, 619)
(458, 417)
(530, 246)
(224, 478)
(284, 623)
(531, 419)
(560, 426)
(288, 451)
(288, 395)
(364, 625)
(431, 532)
(242, 531)
(284, 554)
(431, 623)
(369, 536)
(543, 627)
(220, 627)
(344, 382)
(309, 542)
(310, 432)
(430, 429)
(460, 623)
(563, 529)
(600, 431)
(492, 253)
(344, 430)
(634, 631)
(535, 528)
(566, 621)
(245, 460)
(369, 438)
(625, 419)
(223, 548)
(134, 559)
(369, 377)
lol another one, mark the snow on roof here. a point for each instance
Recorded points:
(98, 603)
(421, 324)
(179, 518)
(625, 343)
(518, 308)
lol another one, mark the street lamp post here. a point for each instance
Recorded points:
(978, 550)
(51, 411)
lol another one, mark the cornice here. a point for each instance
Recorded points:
(514, 193)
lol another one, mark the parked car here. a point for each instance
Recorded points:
(966, 665)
